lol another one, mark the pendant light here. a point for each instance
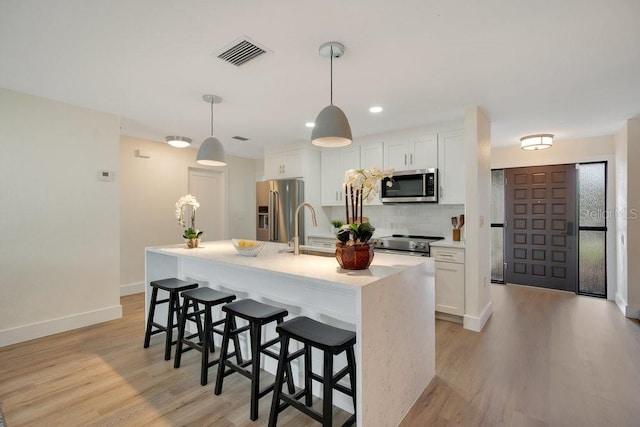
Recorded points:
(331, 127)
(536, 142)
(211, 151)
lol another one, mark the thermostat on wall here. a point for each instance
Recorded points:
(105, 175)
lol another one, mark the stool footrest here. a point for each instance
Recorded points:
(290, 401)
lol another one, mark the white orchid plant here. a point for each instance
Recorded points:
(360, 185)
(188, 200)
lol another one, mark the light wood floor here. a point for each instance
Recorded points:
(545, 358)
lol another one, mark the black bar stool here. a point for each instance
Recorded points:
(257, 314)
(208, 298)
(173, 286)
(332, 341)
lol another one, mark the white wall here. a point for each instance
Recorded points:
(595, 149)
(627, 142)
(477, 169)
(59, 227)
(150, 188)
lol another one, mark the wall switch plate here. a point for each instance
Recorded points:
(105, 175)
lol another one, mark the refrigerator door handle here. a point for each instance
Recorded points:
(274, 214)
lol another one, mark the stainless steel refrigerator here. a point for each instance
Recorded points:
(276, 203)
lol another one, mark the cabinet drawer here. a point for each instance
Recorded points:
(448, 255)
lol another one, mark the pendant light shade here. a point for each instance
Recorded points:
(331, 126)
(536, 142)
(211, 151)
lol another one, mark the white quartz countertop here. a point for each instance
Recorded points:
(447, 243)
(309, 266)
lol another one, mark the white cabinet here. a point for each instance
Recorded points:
(372, 156)
(451, 160)
(334, 162)
(449, 280)
(418, 153)
(284, 164)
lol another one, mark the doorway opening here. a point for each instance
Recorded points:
(208, 186)
(548, 227)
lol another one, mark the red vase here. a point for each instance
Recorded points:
(355, 257)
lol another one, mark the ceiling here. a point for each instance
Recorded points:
(568, 67)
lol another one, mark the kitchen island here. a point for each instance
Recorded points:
(390, 306)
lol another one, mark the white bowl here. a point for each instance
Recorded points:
(248, 250)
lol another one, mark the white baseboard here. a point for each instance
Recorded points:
(630, 312)
(476, 324)
(61, 324)
(131, 288)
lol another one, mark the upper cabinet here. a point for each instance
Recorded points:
(284, 164)
(418, 153)
(334, 162)
(451, 160)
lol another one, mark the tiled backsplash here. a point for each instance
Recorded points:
(421, 219)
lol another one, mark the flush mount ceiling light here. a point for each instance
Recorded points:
(178, 141)
(310, 124)
(211, 151)
(375, 109)
(331, 127)
(536, 142)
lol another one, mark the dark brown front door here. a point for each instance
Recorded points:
(540, 223)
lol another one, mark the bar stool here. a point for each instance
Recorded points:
(173, 286)
(208, 298)
(257, 314)
(332, 341)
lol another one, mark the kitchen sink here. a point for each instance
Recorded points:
(313, 252)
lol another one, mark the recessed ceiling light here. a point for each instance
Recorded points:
(310, 124)
(375, 109)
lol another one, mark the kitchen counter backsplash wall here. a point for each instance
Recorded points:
(415, 219)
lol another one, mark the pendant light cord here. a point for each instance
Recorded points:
(211, 117)
(331, 74)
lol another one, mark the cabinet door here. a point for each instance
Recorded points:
(423, 152)
(372, 156)
(451, 159)
(334, 162)
(331, 180)
(292, 164)
(272, 166)
(396, 155)
(450, 288)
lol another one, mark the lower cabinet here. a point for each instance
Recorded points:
(449, 280)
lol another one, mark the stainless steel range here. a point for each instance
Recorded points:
(404, 244)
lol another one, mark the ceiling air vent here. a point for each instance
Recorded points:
(240, 51)
(240, 138)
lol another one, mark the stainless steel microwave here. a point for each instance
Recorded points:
(414, 186)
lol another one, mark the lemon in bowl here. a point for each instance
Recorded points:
(247, 247)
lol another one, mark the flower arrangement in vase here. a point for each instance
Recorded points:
(353, 251)
(191, 234)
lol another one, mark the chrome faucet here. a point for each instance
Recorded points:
(296, 238)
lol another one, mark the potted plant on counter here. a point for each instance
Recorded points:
(353, 251)
(191, 234)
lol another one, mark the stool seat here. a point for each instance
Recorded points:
(173, 286)
(254, 311)
(317, 334)
(208, 296)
